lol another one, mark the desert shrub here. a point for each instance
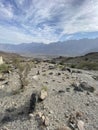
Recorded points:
(86, 59)
(44, 88)
(16, 62)
(61, 63)
(88, 66)
(23, 69)
(72, 65)
(4, 68)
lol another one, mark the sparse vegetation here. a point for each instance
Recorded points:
(45, 88)
(4, 68)
(23, 69)
(88, 66)
(73, 66)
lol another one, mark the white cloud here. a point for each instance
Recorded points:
(85, 20)
(6, 12)
(48, 21)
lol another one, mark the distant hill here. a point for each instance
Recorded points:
(66, 48)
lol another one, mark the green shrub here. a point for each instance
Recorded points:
(45, 88)
(73, 66)
(88, 66)
(4, 68)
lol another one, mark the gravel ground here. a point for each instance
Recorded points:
(61, 102)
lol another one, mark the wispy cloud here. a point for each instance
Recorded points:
(47, 21)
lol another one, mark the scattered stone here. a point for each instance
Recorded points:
(95, 77)
(51, 67)
(58, 73)
(46, 122)
(31, 115)
(80, 125)
(77, 87)
(68, 89)
(63, 128)
(79, 115)
(63, 68)
(69, 70)
(6, 119)
(83, 86)
(51, 73)
(38, 73)
(61, 91)
(39, 114)
(76, 71)
(35, 77)
(43, 94)
(50, 112)
(43, 120)
(4, 128)
(53, 80)
(72, 122)
(87, 87)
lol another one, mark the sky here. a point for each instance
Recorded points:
(47, 21)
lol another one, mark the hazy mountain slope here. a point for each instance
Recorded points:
(70, 48)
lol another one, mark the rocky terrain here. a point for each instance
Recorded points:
(39, 95)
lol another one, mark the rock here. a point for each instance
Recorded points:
(4, 128)
(40, 114)
(51, 73)
(80, 125)
(63, 128)
(42, 119)
(51, 67)
(72, 121)
(76, 71)
(83, 86)
(79, 115)
(35, 77)
(43, 94)
(77, 87)
(38, 73)
(31, 115)
(67, 89)
(69, 69)
(51, 112)
(1, 60)
(95, 77)
(58, 73)
(87, 87)
(46, 122)
(61, 91)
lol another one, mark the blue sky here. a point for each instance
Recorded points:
(25, 21)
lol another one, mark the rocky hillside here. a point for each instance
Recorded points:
(38, 95)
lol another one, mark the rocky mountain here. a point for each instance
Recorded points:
(69, 48)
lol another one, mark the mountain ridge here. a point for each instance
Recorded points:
(67, 48)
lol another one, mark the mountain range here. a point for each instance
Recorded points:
(66, 48)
